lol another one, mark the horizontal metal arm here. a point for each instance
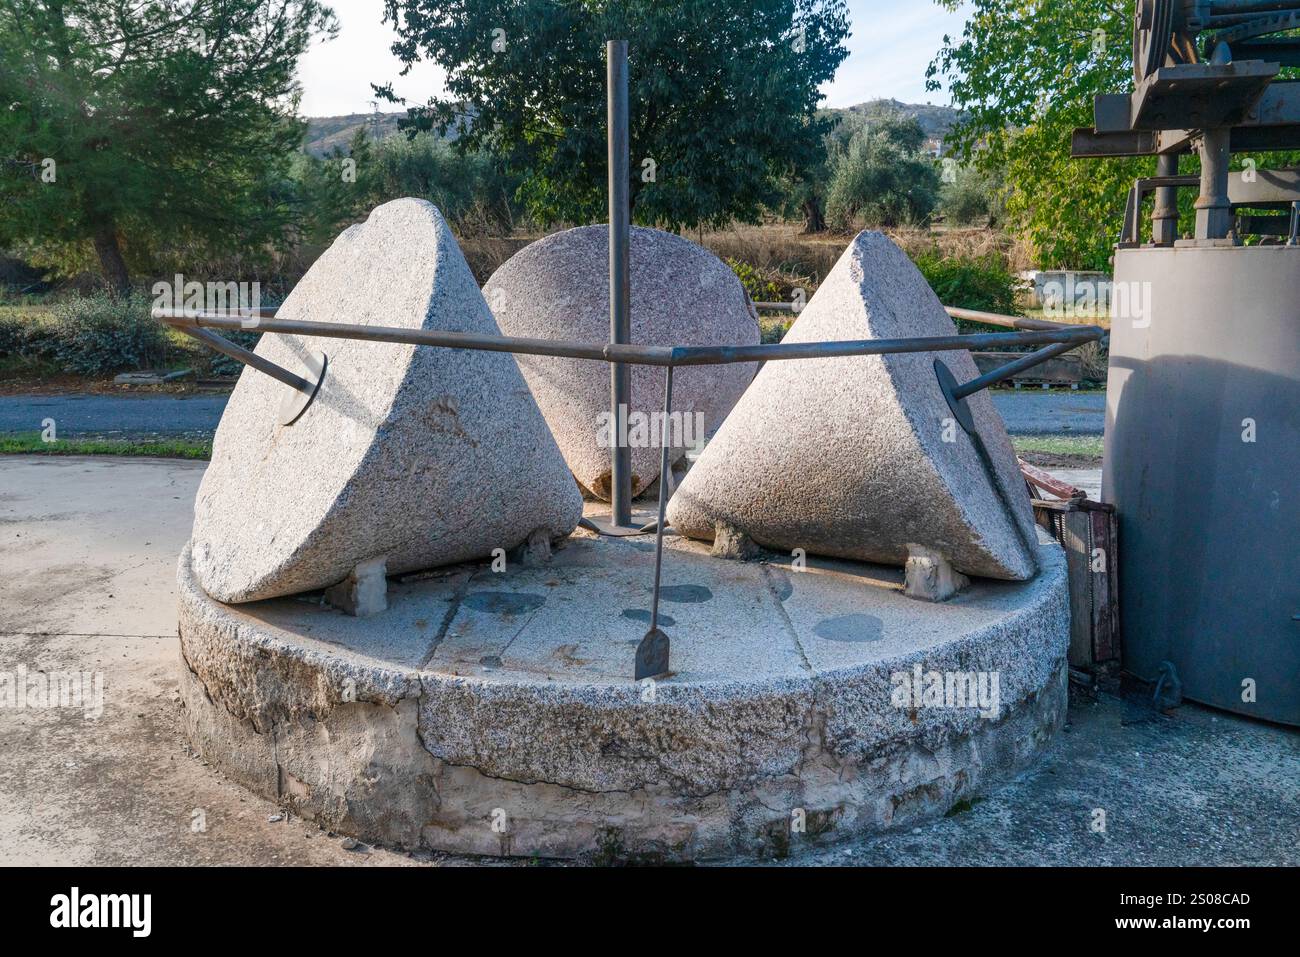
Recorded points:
(636, 354)
(995, 376)
(249, 358)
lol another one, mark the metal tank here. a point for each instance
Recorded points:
(1202, 448)
(1202, 462)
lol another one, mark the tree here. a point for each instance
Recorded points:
(722, 95)
(342, 187)
(133, 124)
(971, 196)
(1024, 74)
(881, 175)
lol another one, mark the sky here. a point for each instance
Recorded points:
(892, 43)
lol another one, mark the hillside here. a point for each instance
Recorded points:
(936, 121)
(324, 133)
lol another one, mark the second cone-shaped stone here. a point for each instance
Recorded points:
(682, 295)
(859, 457)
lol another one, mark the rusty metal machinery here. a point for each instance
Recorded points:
(1202, 445)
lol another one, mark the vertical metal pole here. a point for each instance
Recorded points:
(620, 290)
(1164, 219)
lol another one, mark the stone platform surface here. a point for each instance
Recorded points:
(495, 713)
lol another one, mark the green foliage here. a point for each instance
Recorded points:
(881, 177)
(973, 197)
(760, 287)
(25, 333)
(1024, 73)
(135, 127)
(13, 336)
(469, 188)
(723, 96)
(101, 334)
(981, 283)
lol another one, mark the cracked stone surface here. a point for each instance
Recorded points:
(479, 690)
(419, 456)
(682, 294)
(858, 457)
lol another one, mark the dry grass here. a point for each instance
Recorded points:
(780, 252)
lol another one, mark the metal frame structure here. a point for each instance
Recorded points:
(1215, 333)
(620, 352)
(1204, 81)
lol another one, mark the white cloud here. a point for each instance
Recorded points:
(336, 75)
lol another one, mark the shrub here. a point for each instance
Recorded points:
(13, 336)
(759, 286)
(981, 283)
(882, 179)
(24, 335)
(99, 334)
(974, 197)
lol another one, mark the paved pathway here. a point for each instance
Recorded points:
(1026, 412)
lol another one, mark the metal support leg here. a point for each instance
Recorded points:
(652, 653)
(1213, 211)
(1164, 220)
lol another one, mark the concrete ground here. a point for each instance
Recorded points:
(87, 568)
(1027, 412)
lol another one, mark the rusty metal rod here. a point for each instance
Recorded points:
(249, 358)
(994, 376)
(642, 354)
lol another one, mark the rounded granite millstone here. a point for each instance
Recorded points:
(682, 294)
(421, 455)
(858, 457)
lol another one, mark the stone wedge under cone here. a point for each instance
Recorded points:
(682, 294)
(858, 457)
(423, 456)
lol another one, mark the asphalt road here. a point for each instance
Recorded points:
(1026, 412)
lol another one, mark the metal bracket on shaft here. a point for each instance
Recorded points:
(955, 393)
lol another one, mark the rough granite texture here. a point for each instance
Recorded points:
(402, 732)
(558, 288)
(422, 455)
(858, 457)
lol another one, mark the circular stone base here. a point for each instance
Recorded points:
(494, 712)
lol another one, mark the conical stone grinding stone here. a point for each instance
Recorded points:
(859, 457)
(423, 456)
